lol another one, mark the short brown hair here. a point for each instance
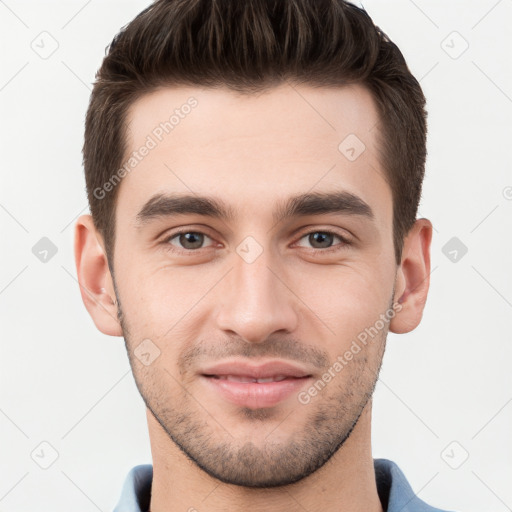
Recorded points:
(250, 46)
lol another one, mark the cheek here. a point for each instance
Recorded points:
(159, 384)
(346, 300)
(341, 300)
(161, 302)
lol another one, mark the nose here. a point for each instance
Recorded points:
(255, 300)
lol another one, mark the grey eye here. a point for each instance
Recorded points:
(189, 240)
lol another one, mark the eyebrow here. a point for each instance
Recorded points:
(317, 203)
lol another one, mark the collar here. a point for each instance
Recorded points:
(395, 493)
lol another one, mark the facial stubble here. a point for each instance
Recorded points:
(331, 417)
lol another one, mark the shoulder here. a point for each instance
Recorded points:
(395, 492)
(136, 492)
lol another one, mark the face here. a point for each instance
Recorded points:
(253, 252)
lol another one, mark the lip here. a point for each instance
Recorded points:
(264, 370)
(255, 395)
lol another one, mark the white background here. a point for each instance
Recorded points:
(65, 383)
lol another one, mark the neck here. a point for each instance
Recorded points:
(346, 483)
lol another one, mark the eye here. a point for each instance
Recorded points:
(188, 240)
(323, 240)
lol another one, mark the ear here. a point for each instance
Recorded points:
(413, 278)
(96, 284)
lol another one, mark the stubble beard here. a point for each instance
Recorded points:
(330, 420)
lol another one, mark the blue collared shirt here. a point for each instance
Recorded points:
(394, 490)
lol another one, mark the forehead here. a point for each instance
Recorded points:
(253, 150)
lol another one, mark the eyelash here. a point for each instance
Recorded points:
(343, 245)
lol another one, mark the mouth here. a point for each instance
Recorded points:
(242, 378)
(255, 386)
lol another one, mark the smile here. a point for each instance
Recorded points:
(255, 386)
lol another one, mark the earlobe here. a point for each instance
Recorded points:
(413, 278)
(96, 286)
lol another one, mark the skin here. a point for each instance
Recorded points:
(292, 303)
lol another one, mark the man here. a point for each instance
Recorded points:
(254, 171)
